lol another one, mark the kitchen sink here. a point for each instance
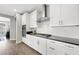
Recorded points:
(40, 35)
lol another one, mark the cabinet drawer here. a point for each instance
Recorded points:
(71, 49)
(54, 47)
(71, 46)
(53, 42)
(51, 51)
(55, 50)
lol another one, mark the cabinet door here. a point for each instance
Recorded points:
(33, 18)
(42, 46)
(31, 41)
(71, 49)
(24, 40)
(55, 14)
(24, 19)
(70, 14)
(36, 42)
(55, 48)
(27, 22)
(28, 39)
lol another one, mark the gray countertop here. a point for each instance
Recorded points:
(58, 38)
(65, 39)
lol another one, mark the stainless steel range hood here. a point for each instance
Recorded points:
(44, 16)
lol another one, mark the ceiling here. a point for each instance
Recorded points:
(3, 19)
(8, 9)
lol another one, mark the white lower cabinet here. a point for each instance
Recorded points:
(24, 40)
(50, 47)
(71, 49)
(54, 48)
(37, 43)
(28, 39)
(60, 48)
(42, 46)
(31, 41)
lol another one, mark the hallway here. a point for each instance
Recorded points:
(11, 48)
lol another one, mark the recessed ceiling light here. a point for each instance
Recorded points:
(15, 10)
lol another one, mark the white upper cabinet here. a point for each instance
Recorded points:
(55, 14)
(33, 19)
(64, 14)
(70, 14)
(24, 19)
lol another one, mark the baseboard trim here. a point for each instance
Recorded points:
(18, 42)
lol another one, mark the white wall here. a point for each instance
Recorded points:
(71, 32)
(6, 22)
(18, 28)
(44, 27)
(4, 19)
(10, 23)
(2, 28)
(6, 26)
(12, 29)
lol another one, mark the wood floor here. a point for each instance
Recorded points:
(10, 47)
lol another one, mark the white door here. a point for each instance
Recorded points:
(18, 28)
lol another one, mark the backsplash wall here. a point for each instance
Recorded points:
(71, 32)
(43, 27)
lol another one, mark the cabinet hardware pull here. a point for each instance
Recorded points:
(38, 42)
(69, 46)
(66, 54)
(59, 22)
(52, 42)
(52, 48)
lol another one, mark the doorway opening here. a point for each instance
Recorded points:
(4, 28)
